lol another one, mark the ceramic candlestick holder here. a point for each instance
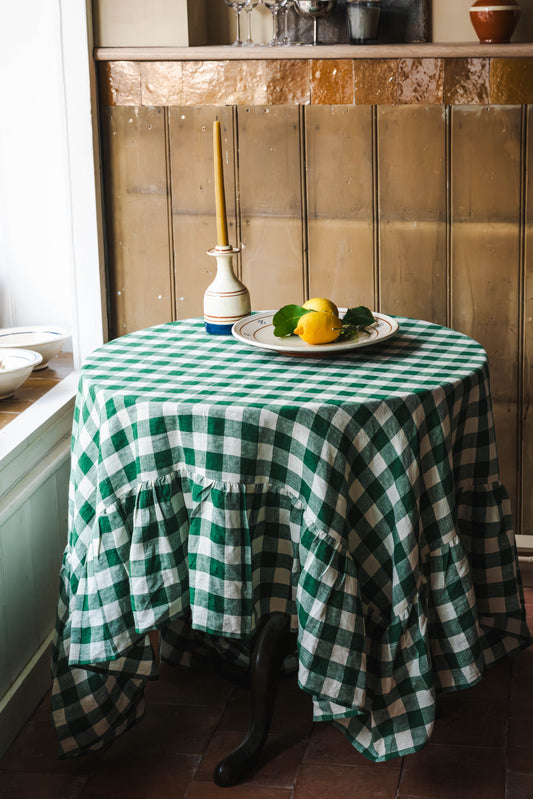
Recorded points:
(226, 300)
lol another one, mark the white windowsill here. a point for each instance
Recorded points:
(33, 434)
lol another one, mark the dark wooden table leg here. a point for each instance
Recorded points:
(274, 641)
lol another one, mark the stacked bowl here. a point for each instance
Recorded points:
(25, 349)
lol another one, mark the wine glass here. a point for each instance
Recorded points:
(313, 9)
(249, 7)
(285, 11)
(237, 6)
(274, 6)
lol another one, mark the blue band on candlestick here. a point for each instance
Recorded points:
(218, 330)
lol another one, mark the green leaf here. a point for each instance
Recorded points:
(349, 333)
(287, 318)
(358, 317)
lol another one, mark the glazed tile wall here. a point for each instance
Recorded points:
(389, 81)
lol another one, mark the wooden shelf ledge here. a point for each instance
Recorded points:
(336, 51)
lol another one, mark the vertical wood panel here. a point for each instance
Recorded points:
(137, 217)
(339, 168)
(271, 205)
(193, 200)
(412, 211)
(486, 205)
(527, 419)
(21, 622)
(45, 557)
(61, 491)
(5, 669)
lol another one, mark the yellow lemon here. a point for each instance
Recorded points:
(318, 327)
(321, 304)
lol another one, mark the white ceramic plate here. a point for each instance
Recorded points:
(47, 341)
(258, 330)
(15, 367)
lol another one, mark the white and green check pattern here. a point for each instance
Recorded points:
(213, 483)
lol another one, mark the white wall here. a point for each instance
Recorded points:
(125, 22)
(35, 237)
(143, 23)
(173, 23)
(50, 243)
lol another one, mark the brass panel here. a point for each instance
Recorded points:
(193, 199)
(271, 204)
(120, 83)
(203, 83)
(288, 82)
(340, 204)
(412, 211)
(162, 83)
(527, 399)
(332, 82)
(485, 249)
(245, 83)
(511, 80)
(137, 217)
(420, 80)
(466, 80)
(270, 80)
(375, 81)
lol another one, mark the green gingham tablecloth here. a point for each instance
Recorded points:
(213, 483)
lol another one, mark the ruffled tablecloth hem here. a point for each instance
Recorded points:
(228, 554)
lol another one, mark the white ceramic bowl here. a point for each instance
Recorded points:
(15, 367)
(47, 341)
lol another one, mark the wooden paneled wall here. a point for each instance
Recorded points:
(417, 210)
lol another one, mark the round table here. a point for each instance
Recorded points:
(358, 493)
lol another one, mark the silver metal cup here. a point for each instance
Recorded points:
(313, 9)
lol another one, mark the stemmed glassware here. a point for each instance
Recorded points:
(313, 9)
(237, 6)
(285, 11)
(249, 7)
(275, 6)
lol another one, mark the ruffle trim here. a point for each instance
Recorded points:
(227, 554)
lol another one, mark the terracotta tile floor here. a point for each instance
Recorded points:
(35, 386)
(482, 746)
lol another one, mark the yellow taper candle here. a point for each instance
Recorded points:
(220, 199)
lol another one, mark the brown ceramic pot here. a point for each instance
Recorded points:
(494, 21)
